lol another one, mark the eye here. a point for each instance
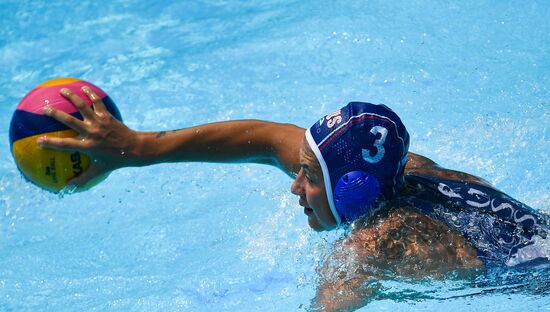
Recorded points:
(307, 174)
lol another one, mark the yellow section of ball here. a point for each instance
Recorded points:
(57, 81)
(48, 168)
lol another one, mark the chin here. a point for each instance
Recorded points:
(316, 226)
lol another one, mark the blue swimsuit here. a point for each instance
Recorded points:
(504, 231)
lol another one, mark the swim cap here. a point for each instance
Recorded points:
(362, 149)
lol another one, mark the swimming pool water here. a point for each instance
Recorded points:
(470, 80)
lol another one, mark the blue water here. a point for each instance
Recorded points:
(470, 80)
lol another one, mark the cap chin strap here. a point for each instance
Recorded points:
(326, 176)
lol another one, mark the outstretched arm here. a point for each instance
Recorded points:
(252, 141)
(112, 145)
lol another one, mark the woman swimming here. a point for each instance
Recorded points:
(352, 168)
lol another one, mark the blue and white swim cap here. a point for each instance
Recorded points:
(362, 149)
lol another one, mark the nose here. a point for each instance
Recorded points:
(297, 187)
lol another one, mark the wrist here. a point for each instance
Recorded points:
(136, 149)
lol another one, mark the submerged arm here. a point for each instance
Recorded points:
(404, 245)
(346, 280)
(112, 145)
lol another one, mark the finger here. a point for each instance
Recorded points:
(80, 183)
(61, 144)
(99, 107)
(64, 118)
(83, 108)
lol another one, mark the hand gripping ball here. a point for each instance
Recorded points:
(50, 169)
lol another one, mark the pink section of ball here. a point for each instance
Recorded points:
(39, 97)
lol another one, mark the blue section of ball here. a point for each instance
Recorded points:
(355, 194)
(24, 124)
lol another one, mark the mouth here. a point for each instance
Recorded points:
(307, 210)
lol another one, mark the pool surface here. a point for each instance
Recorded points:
(471, 80)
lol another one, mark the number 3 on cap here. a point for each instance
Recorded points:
(378, 145)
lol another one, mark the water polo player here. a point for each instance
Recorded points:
(352, 167)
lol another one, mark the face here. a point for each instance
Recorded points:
(310, 187)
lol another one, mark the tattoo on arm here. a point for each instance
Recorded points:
(160, 134)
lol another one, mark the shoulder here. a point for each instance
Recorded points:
(412, 244)
(423, 166)
(285, 140)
